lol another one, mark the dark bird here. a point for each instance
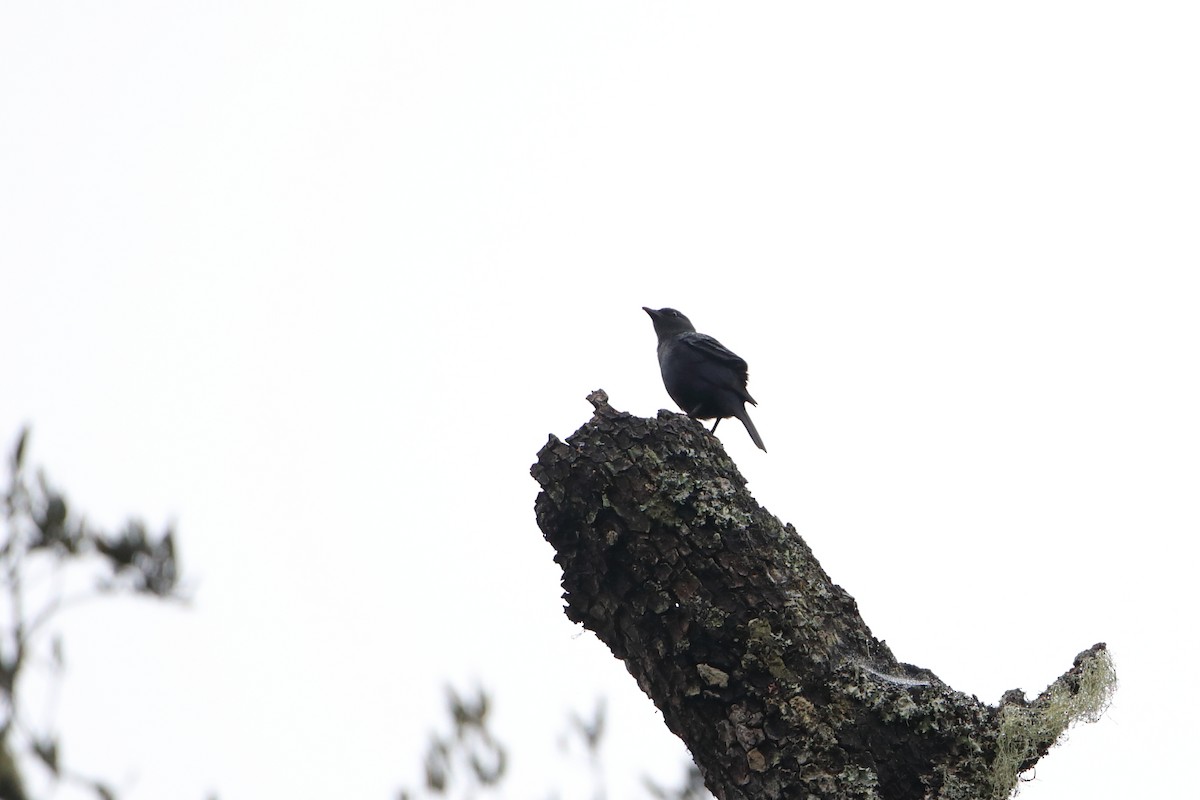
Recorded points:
(703, 377)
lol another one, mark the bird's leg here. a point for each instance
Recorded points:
(715, 424)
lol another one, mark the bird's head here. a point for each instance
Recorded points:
(668, 321)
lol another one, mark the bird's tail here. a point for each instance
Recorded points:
(750, 429)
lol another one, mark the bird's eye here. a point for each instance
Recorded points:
(675, 314)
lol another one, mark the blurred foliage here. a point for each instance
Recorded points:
(44, 539)
(691, 789)
(468, 759)
(45, 549)
(470, 762)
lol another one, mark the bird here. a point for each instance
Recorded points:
(703, 377)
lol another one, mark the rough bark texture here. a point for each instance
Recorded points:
(756, 659)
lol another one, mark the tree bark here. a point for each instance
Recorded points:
(757, 661)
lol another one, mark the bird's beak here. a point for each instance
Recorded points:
(653, 314)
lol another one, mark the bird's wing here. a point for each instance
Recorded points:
(710, 348)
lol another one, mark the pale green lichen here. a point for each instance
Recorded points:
(863, 778)
(1023, 729)
(764, 649)
(713, 676)
(710, 616)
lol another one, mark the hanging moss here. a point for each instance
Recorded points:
(1081, 695)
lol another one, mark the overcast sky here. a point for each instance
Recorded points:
(315, 281)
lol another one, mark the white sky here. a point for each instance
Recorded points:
(316, 280)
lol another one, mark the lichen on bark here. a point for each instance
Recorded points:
(757, 660)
